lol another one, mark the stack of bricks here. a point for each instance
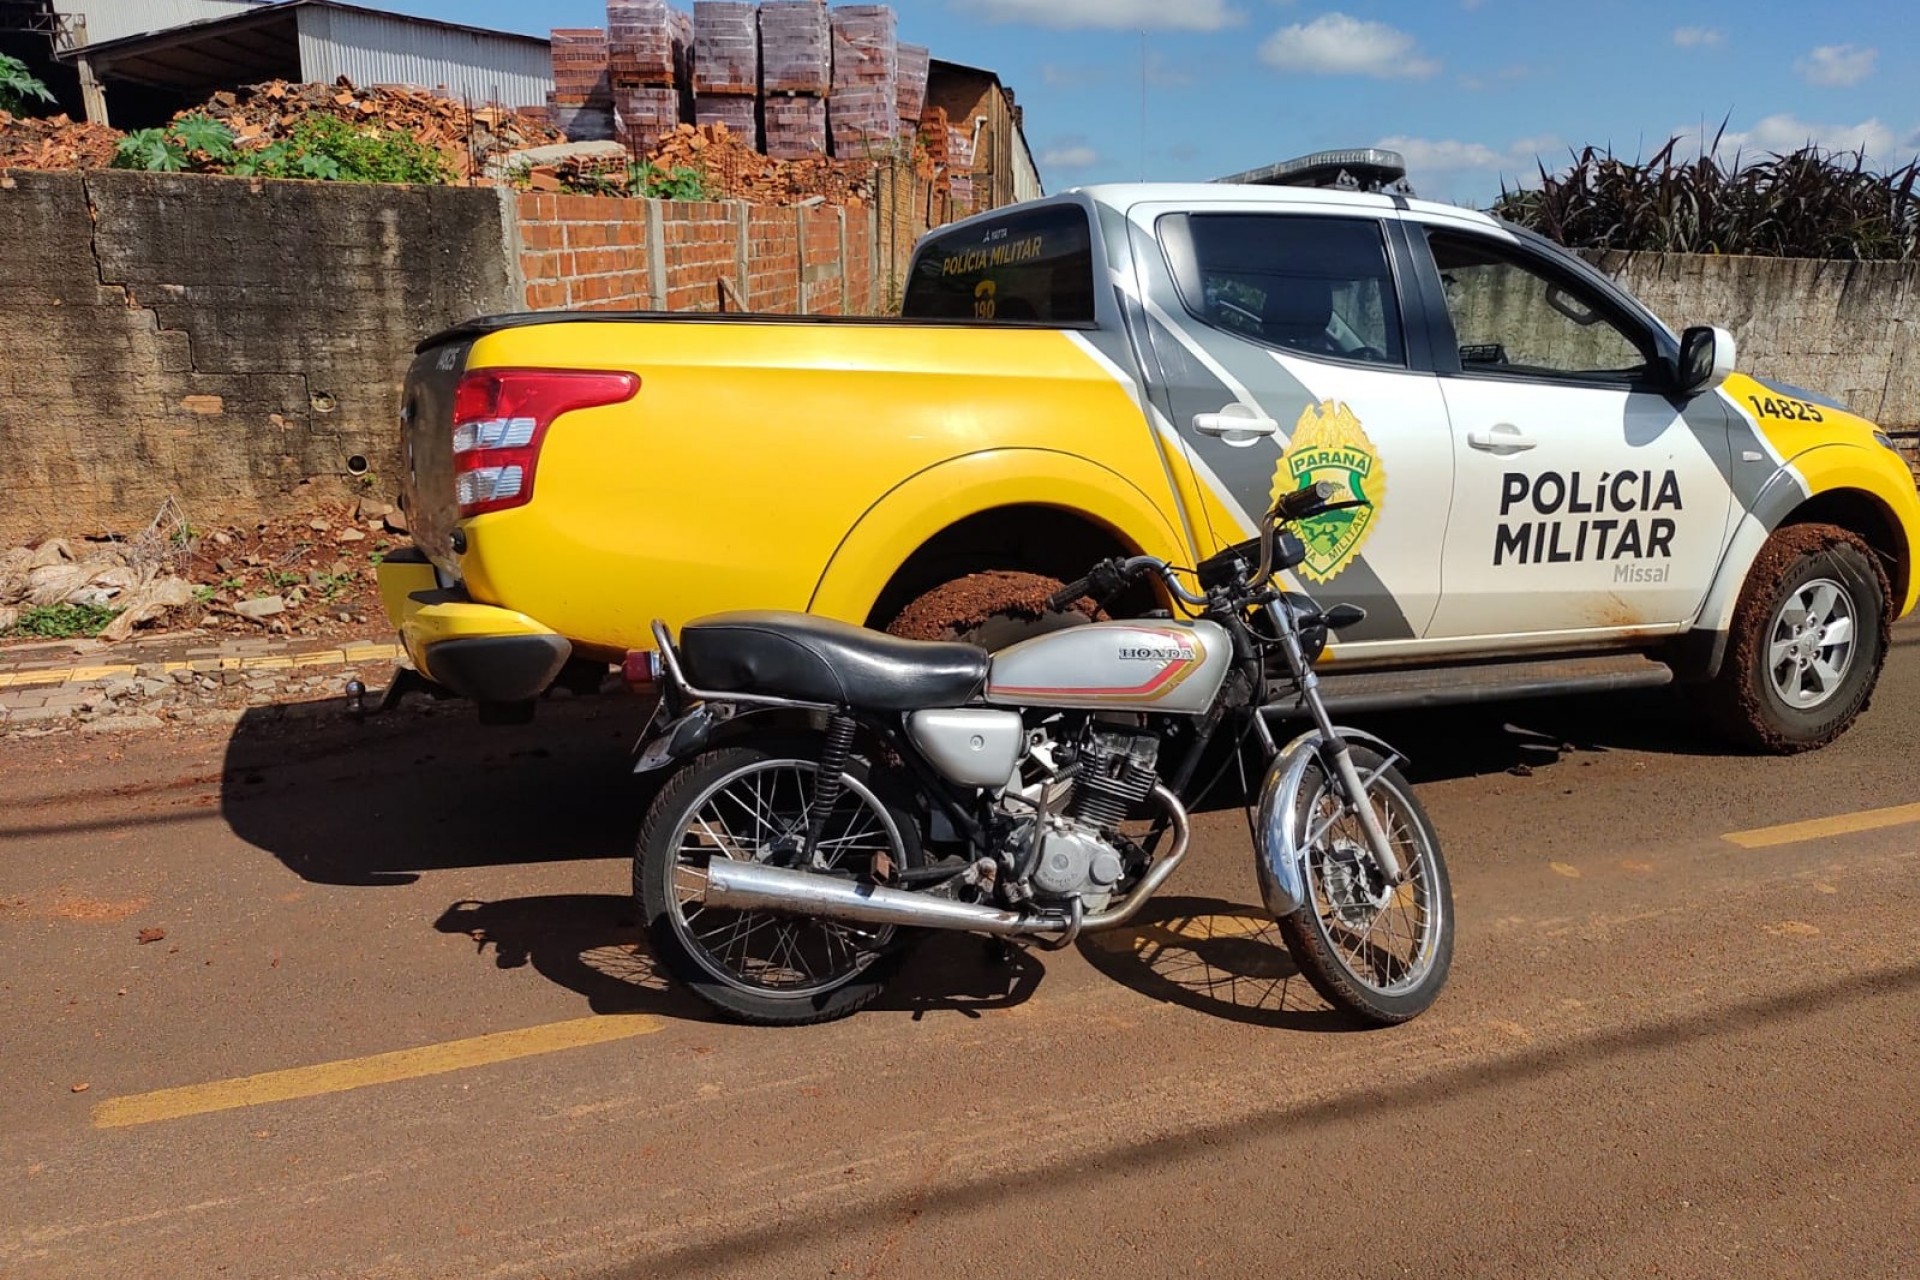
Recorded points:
(915, 61)
(726, 67)
(648, 48)
(960, 158)
(864, 109)
(796, 60)
(581, 104)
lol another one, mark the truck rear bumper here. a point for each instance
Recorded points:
(478, 651)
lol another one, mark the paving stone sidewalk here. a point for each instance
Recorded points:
(192, 678)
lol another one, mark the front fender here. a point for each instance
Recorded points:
(1875, 472)
(923, 505)
(1280, 860)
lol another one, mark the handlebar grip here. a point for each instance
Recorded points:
(1068, 594)
(1302, 503)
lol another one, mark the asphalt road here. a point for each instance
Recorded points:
(398, 1025)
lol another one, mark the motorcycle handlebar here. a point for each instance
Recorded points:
(1302, 503)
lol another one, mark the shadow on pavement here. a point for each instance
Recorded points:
(381, 801)
(592, 944)
(1216, 958)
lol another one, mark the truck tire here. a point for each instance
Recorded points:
(993, 609)
(1809, 635)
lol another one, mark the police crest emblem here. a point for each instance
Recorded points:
(1329, 444)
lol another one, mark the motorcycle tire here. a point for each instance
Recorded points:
(1331, 936)
(757, 966)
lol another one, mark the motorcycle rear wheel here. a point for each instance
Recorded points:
(751, 802)
(1381, 953)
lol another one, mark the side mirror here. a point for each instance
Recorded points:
(1707, 357)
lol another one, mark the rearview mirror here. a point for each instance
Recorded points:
(1706, 359)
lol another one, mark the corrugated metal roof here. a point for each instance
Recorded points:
(326, 39)
(115, 19)
(379, 48)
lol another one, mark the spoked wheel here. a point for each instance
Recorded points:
(754, 804)
(1377, 950)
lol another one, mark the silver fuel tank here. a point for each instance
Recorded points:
(1169, 667)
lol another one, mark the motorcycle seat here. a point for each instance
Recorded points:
(813, 659)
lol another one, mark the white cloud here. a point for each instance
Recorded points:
(1837, 65)
(1334, 44)
(1112, 15)
(1699, 37)
(1076, 155)
(1448, 168)
(1885, 146)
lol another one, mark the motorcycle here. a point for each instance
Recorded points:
(837, 792)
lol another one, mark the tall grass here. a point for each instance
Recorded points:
(1808, 203)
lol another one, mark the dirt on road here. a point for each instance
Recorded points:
(396, 1020)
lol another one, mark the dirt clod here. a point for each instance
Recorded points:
(151, 935)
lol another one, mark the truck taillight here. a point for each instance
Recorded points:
(500, 420)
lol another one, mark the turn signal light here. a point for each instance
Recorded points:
(501, 418)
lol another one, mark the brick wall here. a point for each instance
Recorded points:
(602, 253)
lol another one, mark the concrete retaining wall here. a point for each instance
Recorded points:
(217, 341)
(1848, 330)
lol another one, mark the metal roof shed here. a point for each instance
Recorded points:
(324, 40)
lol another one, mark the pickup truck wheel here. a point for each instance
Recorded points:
(1809, 635)
(993, 609)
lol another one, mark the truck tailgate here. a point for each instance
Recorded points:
(426, 424)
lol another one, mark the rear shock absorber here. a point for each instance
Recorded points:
(828, 783)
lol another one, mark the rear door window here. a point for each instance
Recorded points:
(1313, 285)
(1031, 266)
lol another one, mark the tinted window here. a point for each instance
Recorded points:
(1319, 286)
(1514, 315)
(1036, 265)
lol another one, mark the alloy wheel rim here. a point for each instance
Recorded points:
(1810, 648)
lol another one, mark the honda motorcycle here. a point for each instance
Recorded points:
(838, 791)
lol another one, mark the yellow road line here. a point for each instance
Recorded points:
(358, 1073)
(342, 657)
(1820, 828)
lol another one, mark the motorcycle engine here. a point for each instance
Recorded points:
(1078, 856)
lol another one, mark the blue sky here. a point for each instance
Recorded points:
(1469, 90)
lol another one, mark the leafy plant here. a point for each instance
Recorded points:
(1808, 203)
(19, 87)
(651, 182)
(192, 142)
(281, 579)
(64, 621)
(151, 150)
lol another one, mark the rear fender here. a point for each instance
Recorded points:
(1280, 858)
(922, 506)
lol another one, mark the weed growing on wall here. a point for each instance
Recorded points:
(321, 148)
(1805, 204)
(643, 180)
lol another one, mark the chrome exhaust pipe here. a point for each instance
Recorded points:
(753, 886)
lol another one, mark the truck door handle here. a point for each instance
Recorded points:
(1238, 424)
(1501, 438)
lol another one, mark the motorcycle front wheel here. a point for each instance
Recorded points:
(1379, 951)
(753, 803)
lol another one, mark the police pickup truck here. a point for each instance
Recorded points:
(1561, 493)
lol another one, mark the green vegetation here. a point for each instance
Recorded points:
(321, 148)
(647, 181)
(64, 621)
(18, 87)
(1808, 203)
